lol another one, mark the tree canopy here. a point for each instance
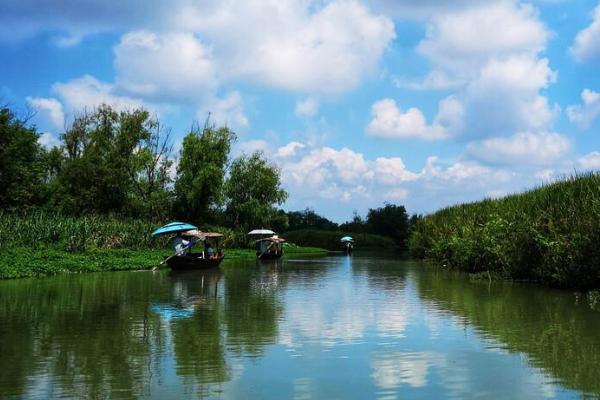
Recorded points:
(253, 189)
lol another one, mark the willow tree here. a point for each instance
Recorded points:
(253, 190)
(201, 172)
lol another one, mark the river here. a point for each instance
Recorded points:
(335, 327)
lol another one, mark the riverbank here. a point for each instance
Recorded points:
(330, 240)
(20, 262)
(548, 235)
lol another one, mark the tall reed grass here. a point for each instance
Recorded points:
(550, 234)
(75, 234)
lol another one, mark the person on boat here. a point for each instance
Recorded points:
(208, 249)
(180, 245)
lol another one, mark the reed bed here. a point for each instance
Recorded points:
(75, 234)
(550, 235)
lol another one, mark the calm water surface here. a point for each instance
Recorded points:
(326, 328)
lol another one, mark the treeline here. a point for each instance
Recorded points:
(549, 235)
(391, 221)
(122, 164)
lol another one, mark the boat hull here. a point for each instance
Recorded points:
(270, 256)
(191, 262)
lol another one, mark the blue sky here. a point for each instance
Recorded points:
(422, 103)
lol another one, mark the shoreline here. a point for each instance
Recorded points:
(22, 262)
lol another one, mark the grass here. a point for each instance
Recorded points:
(22, 262)
(550, 235)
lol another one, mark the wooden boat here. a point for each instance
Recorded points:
(195, 261)
(270, 248)
(208, 258)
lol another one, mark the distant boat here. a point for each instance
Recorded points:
(269, 246)
(347, 244)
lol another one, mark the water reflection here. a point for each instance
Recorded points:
(337, 327)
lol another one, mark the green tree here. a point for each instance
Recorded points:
(100, 168)
(390, 220)
(253, 189)
(151, 196)
(201, 172)
(21, 162)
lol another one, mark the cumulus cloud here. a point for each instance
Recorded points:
(229, 111)
(590, 161)
(491, 51)
(325, 175)
(504, 97)
(584, 115)
(525, 148)
(587, 42)
(307, 108)
(48, 140)
(175, 65)
(462, 42)
(289, 149)
(50, 110)
(389, 121)
(88, 92)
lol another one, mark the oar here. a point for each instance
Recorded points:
(176, 254)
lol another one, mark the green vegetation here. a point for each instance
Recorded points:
(43, 243)
(549, 235)
(330, 240)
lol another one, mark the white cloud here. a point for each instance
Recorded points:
(590, 161)
(435, 80)
(396, 194)
(388, 121)
(525, 148)
(175, 65)
(585, 114)
(391, 171)
(289, 149)
(297, 45)
(250, 146)
(48, 140)
(87, 92)
(504, 98)
(307, 108)
(587, 41)
(464, 41)
(228, 111)
(50, 109)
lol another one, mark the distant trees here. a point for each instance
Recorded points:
(253, 189)
(309, 219)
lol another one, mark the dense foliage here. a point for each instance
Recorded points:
(549, 234)
(21, 162)
(201, 172)
(252, 189)
(330, 240)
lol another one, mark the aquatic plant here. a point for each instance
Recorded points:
(549, 234)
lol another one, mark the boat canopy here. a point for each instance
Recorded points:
(273, 239)
(173, 227)
(261, 232)
(346, 239)
(197, 234)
